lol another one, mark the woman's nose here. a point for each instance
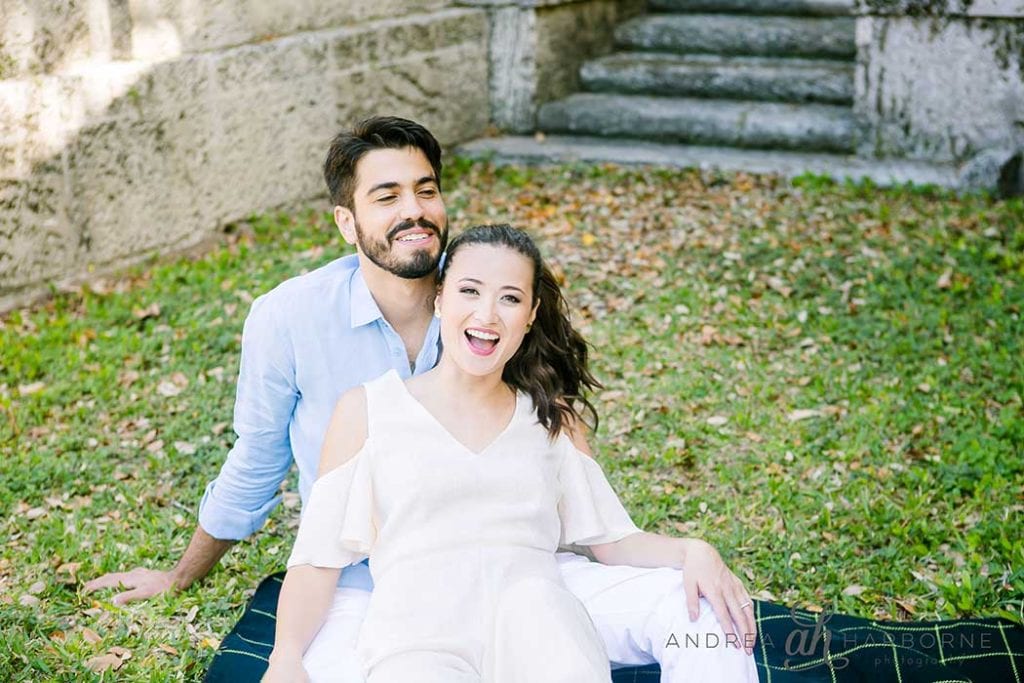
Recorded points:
(486, 310)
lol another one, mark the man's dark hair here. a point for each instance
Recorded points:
(378, 132)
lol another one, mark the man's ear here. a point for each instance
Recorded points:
(346, 222)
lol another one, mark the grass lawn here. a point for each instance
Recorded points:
(825, 381)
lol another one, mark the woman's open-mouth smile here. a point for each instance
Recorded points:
(481, 341)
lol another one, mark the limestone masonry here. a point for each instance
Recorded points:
(142, 127)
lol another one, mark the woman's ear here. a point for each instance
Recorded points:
(437, 303)
(346, 222)
(533, 314)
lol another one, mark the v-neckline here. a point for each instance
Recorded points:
(447, 432)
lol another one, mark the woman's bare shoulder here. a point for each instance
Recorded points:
(346, 432)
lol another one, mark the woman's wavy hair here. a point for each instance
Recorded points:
(551, 363)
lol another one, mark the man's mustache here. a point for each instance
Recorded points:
(408, 225)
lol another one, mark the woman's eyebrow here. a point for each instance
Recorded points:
(473, 280)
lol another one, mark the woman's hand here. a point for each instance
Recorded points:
(285, 668)
(705, 574)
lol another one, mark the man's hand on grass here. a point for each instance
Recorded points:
(142, 584)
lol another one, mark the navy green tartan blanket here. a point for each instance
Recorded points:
(793, 646)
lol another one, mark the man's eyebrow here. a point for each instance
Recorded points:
(390, 185)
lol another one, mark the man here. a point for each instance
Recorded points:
(317, 335)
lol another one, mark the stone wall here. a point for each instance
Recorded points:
(940, 80)
(131, 127)
(537, 48)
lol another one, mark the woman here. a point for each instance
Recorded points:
(479, 465)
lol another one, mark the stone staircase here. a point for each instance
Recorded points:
(760, 85)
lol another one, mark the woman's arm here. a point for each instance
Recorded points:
(306, 596)
(308, 591)
(704, 572)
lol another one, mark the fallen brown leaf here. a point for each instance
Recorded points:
(101, 663)
(90, 636)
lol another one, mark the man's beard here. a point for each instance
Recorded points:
(420, 264)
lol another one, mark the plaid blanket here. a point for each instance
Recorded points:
(793, 646)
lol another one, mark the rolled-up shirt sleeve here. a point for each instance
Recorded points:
(238, 501)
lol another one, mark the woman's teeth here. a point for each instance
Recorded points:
(481, 341)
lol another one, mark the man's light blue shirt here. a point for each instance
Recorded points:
(304, 344)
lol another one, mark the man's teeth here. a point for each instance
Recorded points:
(415, 237)
(486, 336)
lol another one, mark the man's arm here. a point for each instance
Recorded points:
(237, 503)
(202, 554)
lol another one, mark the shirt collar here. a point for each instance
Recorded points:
(363, 308)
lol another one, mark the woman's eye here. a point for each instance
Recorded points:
(511, 298)
(468, 290)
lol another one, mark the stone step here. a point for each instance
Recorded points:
(714, 76)
(729, 123)
(830, 38)
(804, 8)
(558, 149)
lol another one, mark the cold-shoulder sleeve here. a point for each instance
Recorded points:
(589, 510)
(337, 527)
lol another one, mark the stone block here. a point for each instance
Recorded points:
(134, 186)
(268, 148)
(35, 121)
(392, 39)
(778, 36)
(530, 63)
(941, 8)
(588, 27)
(15, 98)
(801, 8)
(165, 28)
(158, 90)
(143, 156)
(940, 95)
(995, 170)
(766, 125)
(445, 90)
(513, 84)
(37, 241)
(277, 62)
(712, 76)
(47, 37)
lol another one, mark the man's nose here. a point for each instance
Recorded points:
(411, 208)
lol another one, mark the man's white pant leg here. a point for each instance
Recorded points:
(641, 615)
(331, 657)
